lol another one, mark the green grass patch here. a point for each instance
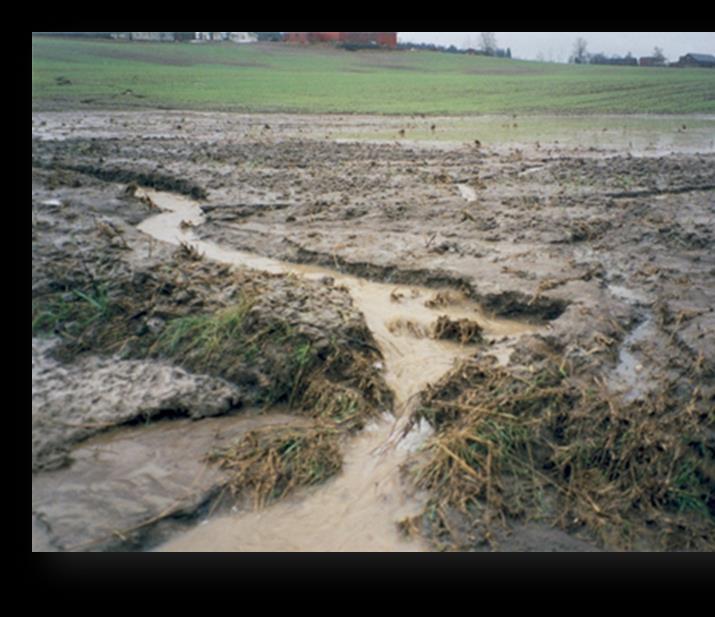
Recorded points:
(205, 339)
(225, 342)
(71, 313)
(277, 77)
(61, 310)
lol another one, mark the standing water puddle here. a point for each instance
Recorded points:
(467, 192)
(358, 509)
(630, 376)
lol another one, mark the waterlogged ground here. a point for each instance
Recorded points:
(591, 241)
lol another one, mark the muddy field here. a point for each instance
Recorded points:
(251, 335)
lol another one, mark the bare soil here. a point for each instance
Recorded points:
(609, 255)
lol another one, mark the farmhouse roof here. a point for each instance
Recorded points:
(702, 57)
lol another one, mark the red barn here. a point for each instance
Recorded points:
(382, 39)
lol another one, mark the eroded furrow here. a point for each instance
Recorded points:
(359, 509)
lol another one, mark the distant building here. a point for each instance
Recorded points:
(242, 37)
(614, 61)
(153, 36)
(696, 60)
(380, 39)
(651, 61)
(235, 37)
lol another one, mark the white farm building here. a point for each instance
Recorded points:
(236, 37)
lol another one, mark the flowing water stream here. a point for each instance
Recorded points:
(358, 509)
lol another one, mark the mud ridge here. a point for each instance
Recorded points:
(670, 191)
(229, 212)
(501, 304)
(153, 179)
(523, 306)
(68, 408)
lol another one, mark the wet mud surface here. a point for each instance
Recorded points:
(406, 256)
(73, 402)
(133, 487)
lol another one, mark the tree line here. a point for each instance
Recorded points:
(580, 55)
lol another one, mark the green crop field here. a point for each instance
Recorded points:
(72, 73)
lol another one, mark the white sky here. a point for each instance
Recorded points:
(557, 46)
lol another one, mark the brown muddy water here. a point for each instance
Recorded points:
(357, 510)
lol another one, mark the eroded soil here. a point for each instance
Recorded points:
(600, 259)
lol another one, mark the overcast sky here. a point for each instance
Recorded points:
(557, 46)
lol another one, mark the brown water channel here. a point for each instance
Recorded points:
(358, 509)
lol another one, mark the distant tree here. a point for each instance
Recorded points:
(580, 55)
(488, 43)
(658, 54)
(508, 52)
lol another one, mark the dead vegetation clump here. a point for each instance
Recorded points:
(345, 386)
(402, 326)
(189, 251)
(336, 402)
(444, 298)
(466, 331)
(396, 296)
(537, 446)
(271, 462)
(587, 230)
(130, 192)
